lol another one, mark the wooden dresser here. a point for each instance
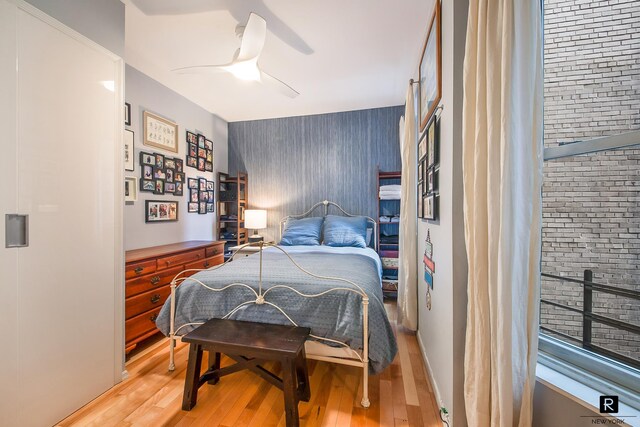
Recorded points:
(149, 272)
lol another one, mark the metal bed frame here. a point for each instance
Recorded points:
(354, 358)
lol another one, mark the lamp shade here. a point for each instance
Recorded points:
(255, 219)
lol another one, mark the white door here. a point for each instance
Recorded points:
(68, 280)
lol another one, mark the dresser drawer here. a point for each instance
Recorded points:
(206, 263)
(150, 281)
(141, 324)
(138, 269)
(214, 250)
(146, 301)
(180, 259)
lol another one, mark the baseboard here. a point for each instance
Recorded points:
(434, 384)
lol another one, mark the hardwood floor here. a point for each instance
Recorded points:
(152, 396)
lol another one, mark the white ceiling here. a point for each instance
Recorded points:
(341, 55)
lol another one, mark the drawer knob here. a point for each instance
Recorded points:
(155, 280)
(153, 317)
(138, 270)
(155, 298)
(206, 264)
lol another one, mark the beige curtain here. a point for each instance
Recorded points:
(407, 269)
(502, 162)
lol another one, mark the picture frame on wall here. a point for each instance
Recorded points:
(147, 185)
(201, 141)
(430, 69)
(420, 201)
(433, 146)
(160, 132)
(422, 147)
(130, 189)
(127, 114)
(192, 183)
(147, 158)
(430, 203)
(192, 207)
(129, 163)
(432, 180)
(160, 211)
(192, 138)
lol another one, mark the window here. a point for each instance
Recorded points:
(590, 293)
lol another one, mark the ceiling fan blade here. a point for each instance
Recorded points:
(202, 69)
(278, 85)
(253, 38)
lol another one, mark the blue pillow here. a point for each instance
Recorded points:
(345, 231)
(305, 232)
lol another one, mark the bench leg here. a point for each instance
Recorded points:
(290, 392)
(214, 365)
(302, 377)
(193, 377)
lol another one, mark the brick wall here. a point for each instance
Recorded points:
(591, 203)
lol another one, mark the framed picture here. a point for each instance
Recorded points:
(159, 161)
(147, 172)
(201, 141)
(170, 163)
(147, 158)
(420, 201)
(192, 138)
(430, 203)
(159, 174)
(160, 211)
(433, 146)
(159, 187)
(179, 189)
(432, 180)
(129, 164)
(208, 166)
(202, 152)
(192, 207)
(211, 196)
(192, 183)
(169, 175)
(209, 156)
(179, 165)
(202, 209)
(420, 171)
(130, 189)
(127, 114)
(192, 162)
(170, 187)
(201, 163)
(210, 185)
(160, 132)
(208, 144)
(194, 196)
(430, 69)
(178, 177)
(422, 147)
(203, 184)
(147, 185)
(209, 207)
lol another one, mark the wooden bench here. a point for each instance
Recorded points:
(249, 344)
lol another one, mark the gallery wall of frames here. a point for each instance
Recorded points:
(162, 173)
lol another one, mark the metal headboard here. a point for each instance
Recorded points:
(326, 204)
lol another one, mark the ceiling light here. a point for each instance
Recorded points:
(245, 70)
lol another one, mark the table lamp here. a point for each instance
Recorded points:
(255, 219)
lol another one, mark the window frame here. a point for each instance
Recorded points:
(602, 373)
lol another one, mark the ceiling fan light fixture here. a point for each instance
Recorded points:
(245, 70)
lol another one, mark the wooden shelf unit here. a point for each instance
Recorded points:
(233, 199)
(388, 234)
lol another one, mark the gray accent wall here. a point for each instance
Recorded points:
(99, 20)
(294, 162)
(146, 94)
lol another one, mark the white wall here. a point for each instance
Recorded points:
(146, 94)
(100, 20)
(441, 330)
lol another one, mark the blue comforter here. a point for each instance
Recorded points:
(335, 315)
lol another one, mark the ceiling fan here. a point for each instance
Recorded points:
(244, 65)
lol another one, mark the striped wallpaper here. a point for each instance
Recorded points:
(294, 162)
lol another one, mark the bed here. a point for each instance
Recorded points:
(336, 291)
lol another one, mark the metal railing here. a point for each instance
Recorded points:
(589, 317)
